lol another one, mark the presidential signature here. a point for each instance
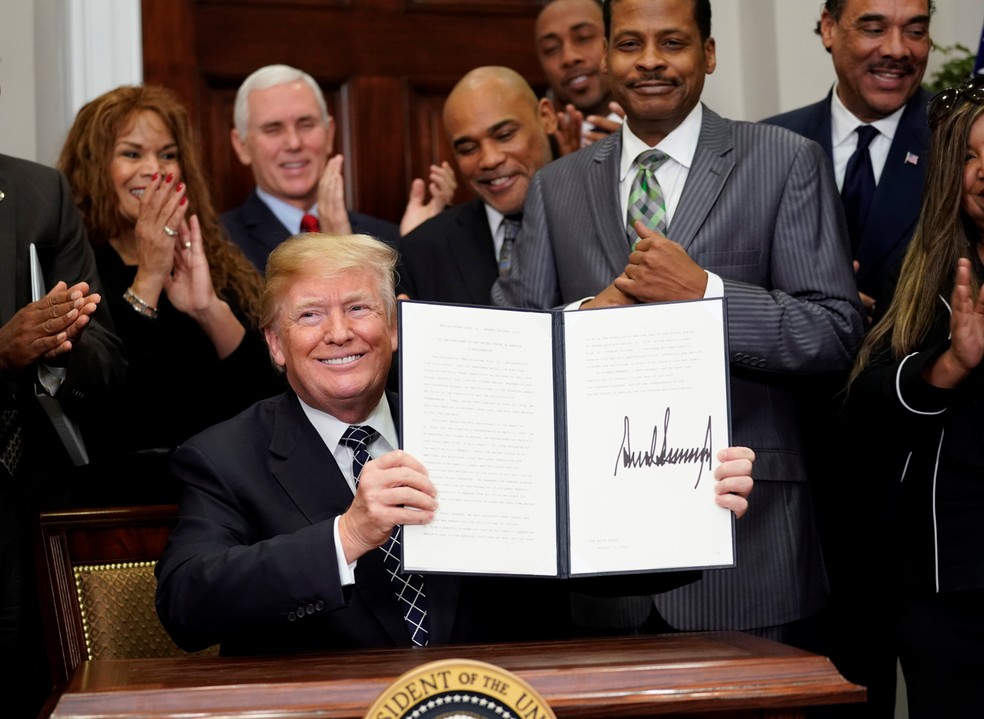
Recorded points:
(627, 459)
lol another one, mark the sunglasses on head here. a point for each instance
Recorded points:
(946, 100)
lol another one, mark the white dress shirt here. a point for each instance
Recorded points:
(844, 139)
(495, 227)
(680, 147)
(289, 216)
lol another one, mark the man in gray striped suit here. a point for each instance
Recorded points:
(747, 211)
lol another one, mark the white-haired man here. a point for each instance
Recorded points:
(284, 134)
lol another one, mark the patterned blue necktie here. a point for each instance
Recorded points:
(409, 588)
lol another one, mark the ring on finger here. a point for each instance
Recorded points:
(169, 232)
(187, 245)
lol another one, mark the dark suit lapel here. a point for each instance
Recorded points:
(473, 251)
(889, 220)
(712, 165)
(602, 182)
(265, 230)
(303, 466)
(819, 128)
(8, 248)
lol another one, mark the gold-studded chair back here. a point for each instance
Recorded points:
(97, 584)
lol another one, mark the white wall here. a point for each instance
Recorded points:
(57, 54)
(770, 60)
(17, 79)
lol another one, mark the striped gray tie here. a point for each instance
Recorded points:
(510, 230)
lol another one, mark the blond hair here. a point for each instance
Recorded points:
(315, 254)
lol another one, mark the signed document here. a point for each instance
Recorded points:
(567, 443)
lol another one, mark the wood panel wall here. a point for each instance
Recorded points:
(385, 67)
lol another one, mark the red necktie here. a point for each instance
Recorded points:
(309, 223)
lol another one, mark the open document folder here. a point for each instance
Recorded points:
(567, 443)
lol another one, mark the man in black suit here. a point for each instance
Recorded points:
(283, 539)
(63, 343)
(499, 133)
(273, 551)
(879, 50)
(284, 133)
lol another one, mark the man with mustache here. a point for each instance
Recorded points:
(879, 49)
(721, 208)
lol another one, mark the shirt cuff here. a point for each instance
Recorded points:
(577, 305)
(346, 571)
(715, 286)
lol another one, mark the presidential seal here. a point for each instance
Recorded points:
(459, 689)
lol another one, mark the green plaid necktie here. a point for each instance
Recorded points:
(646, 200)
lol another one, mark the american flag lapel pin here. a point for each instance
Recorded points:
(911, 159)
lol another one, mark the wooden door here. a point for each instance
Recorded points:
(385, 67)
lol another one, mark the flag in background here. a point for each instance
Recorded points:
(979, 65)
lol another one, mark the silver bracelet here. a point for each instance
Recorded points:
(139, 305)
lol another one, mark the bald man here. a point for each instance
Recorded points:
(570, 43)
(499, 133)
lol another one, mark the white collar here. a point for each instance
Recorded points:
(680, 144)
(843, 122)
(289, 216)
(331, 428)
(494, 216)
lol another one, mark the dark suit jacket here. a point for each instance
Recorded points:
(256, 230)
(37, 206)
(759, 209)
(451, 257)
(898, 197)
(251, 563)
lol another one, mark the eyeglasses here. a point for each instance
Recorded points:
(946, 100)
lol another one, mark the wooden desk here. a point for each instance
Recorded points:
(713, 674)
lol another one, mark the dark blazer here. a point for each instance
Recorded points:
(451, 257)
(759, 209)
(251, 563)
(256, 230)
(37, 207)
(898, 197)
